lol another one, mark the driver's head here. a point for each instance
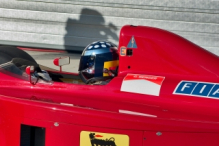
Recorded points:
(97, 58)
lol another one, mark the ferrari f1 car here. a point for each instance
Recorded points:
(164, 90)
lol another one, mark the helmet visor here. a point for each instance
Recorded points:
(86, 62)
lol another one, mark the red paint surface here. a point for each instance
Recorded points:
(182, 120)
(56, 61)
(41, 50)
(98, 136)
(28, 70)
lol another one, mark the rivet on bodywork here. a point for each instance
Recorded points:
(56, 124)
(158, 133)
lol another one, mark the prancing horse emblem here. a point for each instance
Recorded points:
(101, 142)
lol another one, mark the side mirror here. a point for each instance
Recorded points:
(29, 71)
(65, 60)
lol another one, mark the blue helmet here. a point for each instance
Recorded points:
(99, 61)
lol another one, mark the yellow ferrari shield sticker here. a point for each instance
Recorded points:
(88, 138)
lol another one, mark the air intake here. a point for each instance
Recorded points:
(32, 136)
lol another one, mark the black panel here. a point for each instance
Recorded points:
(32, 136)
(129, 52)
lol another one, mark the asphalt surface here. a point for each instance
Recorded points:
(46, 59)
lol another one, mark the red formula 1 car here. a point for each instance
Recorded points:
(165, 92)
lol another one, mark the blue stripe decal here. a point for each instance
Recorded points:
(202, 89)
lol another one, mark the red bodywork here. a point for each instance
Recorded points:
(65, 110)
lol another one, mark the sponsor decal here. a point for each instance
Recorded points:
(88, 138)
(201, 89)
(123, 51)
(142, 84)
(132, 43)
